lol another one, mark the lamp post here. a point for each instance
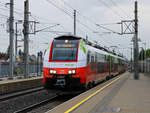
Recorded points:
(145, 69)
(131, 59)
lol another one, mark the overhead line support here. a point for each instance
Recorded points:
(26, 39)
(11, 36)
(74, 22)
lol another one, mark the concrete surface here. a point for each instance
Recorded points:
(19, 84)
(126, 95)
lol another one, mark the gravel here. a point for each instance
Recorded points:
(12, 105)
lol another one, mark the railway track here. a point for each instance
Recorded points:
(28, 99)
(47, 104)
(19, 93)
(29, 108)
(34, 100)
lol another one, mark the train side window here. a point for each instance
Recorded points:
(88, 57)
(100, 67)
(92, 61)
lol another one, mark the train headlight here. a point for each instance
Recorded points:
(69, 72)
(52, 71)
(73, 71)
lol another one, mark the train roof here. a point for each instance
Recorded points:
(97, 50)
(68, 37)
(91, 45)
(103, 52)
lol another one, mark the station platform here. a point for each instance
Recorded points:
(14, 85)
(122, 94)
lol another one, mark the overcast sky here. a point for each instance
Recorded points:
(89, 13)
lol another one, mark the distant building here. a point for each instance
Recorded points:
(3, 60)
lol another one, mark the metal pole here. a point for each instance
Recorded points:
(16, 43)
(37, 65)
(26, 38)
(136, 49)
(131, 59)
(11, 46)
(74, 22)
(145, 59)
(0, 70)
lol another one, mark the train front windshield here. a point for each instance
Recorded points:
(64, 50)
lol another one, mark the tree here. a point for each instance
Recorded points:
(142, 54)
(148, 53)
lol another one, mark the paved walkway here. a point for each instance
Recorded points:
(125, 95)
(128, 96)
(133, 97)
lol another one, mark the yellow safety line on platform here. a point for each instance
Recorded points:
(81, 102)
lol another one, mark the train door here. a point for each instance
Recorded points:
(110, 66)
(96, 65)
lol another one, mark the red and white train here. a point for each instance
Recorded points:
(72, 62)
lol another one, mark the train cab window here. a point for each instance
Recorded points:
(64, 51)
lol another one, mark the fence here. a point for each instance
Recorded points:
(19, 69)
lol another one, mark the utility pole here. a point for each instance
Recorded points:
(131, 59)
(142, 63)
(74, 22)
(136, 49)
(16, 41)
(11, 46)
(26, 38)
(145, 58)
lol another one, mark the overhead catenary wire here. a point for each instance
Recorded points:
(89, 18)
(5, 16)
(3, 7)
(86, 26)
(70, 14)
(117, 6)
(111, 9)
(63, 10)
(21, 13)
(84, 17)
(99, 25)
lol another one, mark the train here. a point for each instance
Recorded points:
(72, 61)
